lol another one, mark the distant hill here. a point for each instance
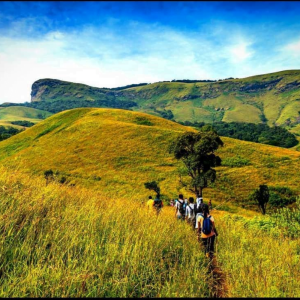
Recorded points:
(20, 113)
(273, 99)
(116, 151)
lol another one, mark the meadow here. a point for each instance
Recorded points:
(116, 151)
(59, 241)
(92, 236)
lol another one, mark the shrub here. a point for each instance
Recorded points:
(235, 161)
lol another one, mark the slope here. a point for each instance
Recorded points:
(271, 98)
(116, 151)
(20, 113)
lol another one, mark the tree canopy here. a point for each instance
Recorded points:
(196, 151)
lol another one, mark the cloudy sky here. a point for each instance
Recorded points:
(110, 44)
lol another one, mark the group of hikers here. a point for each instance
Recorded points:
(196, 214)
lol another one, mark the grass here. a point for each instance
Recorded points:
(256, 263)
(108, 143)
(19, 113)
(59, 241)
(240, 100)
(97, 239)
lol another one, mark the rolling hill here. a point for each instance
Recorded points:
(20, 113)
(116, 151)
(271, 98)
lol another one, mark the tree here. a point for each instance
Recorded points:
(196, 151)
(48, 176)
(262, 195)
(153, 186)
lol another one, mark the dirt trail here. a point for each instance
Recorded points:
(218, 285)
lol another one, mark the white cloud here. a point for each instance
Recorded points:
(293, 48)
(102, 57)
(240, 52)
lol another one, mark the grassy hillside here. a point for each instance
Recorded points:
(116, 151)
(274, 97)
(271, 98)
(20, 113)
(59, 241)
(96, 239)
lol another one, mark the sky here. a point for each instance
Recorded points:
(111, 44)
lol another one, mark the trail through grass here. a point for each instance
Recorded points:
(59, 241)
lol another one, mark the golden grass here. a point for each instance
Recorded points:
(71, 242)
(84, 144)
(257, 264)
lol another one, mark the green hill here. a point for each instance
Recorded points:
(21, 113)
(116, 151)
(272, 98)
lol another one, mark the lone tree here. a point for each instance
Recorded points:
(49, 175)
(196, 150)
(152, 185)
(262, 195)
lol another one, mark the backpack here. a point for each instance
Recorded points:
(157, 203)
(207, 226)
(181, 207)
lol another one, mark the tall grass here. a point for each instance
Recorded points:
(257, 263)
(62, 241)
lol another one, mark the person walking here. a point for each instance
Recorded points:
(179, 208)
(158, 204)
(199, 202)
(207, 231)
(150, 203)
(190, 212)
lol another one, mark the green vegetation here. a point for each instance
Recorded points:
(83, 144)
(257, 257)
(271, 99)
(259, 133)
(55, 107)
(196, 151)
(153, 186)
(60, 241)
(261, 196)
(281, 196)
(23, 123)
(62, 237)
(18, 116)
(6, 133)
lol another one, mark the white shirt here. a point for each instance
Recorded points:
(177, 205)
(198, 214)
(199, 201)
(188, 211)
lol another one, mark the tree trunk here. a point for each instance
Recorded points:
(200, 191)
(263, 209)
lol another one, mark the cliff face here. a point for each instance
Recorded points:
(53, 89)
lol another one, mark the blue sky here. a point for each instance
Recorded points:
(109, 44)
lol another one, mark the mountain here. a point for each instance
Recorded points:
(272, 98)
(117, 151)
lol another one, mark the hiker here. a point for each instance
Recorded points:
(172, 203)
(150, 203)
(180, 211)
(190, 212)
(209, 205)
(199, 201)
(158, 204)
(207, 231)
